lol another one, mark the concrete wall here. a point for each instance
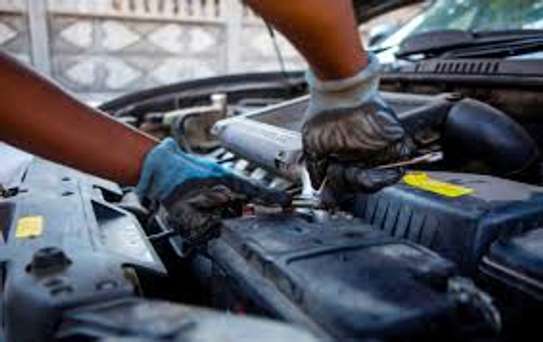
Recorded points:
(14, 33)
(99, 49)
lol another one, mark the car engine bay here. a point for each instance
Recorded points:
(454, 251)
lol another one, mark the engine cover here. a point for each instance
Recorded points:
(461, 228)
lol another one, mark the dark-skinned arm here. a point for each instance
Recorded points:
(38, 116)
(324, 31)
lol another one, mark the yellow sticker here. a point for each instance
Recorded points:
(421, 180)
(29, 227)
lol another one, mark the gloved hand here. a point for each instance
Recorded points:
(349, 130)
(195, 190)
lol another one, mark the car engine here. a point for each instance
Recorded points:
(453, 251)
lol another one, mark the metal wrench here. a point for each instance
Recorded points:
(427, 158)
(311, 199)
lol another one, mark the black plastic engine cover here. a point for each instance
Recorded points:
(517, 263)
(460, 229)
(66, 246)
(338, 278)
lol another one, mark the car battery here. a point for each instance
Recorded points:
(456, 215)
(337, 277)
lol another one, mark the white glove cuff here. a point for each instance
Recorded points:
(346, 93)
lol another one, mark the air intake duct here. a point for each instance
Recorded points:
(475, 132)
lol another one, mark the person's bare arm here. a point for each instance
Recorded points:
(324, 31)
(38, 116)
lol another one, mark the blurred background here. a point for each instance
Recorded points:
(100, 49)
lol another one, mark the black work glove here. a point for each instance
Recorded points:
(349, 132)
(197, 214)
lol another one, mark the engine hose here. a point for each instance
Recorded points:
(477, 132)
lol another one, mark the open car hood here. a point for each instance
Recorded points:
(367, 9)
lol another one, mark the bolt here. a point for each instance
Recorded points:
(455, 96)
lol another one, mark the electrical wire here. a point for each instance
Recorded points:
(279, 55)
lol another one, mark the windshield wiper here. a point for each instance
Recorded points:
(466, 44)
(499, 50)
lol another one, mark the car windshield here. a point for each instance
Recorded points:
(474, 15)
(481, 15)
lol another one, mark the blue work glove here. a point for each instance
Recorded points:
(195, 191)
(349, 130)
